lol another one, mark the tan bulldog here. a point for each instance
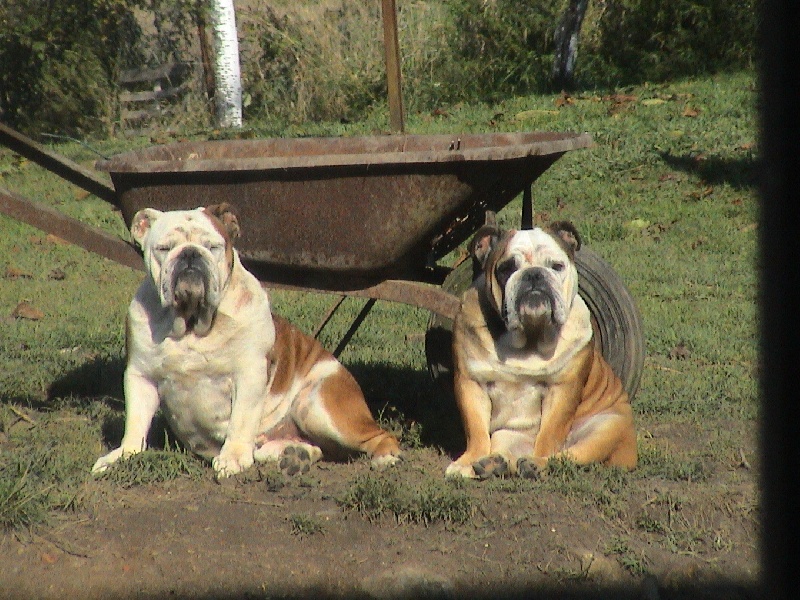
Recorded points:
(529, 383)
(236, 384)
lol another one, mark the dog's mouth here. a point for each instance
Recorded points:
(191, 289)
(534, 314)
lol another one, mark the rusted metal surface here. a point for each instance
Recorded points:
(61, 166)
(95, 240)
(413, 293)
(343, 213)
(72, 230)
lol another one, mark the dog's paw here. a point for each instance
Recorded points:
(232, 459)
(528, 469)
(456, 470)
(384, 461)
(493, 465)
(109, 459)
(298, 458)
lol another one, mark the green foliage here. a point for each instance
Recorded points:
(323, 60)
(44, 464)
(311, 60)
(305, 525)
(504, 47)
(58, 62)
(655, 40)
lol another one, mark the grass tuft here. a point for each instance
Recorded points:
(375, 495)
(154, 466)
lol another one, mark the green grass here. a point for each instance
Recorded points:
(666, 196)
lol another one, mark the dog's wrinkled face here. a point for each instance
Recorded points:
(189, 256)
(531, 280)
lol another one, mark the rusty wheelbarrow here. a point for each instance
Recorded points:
(359, 216)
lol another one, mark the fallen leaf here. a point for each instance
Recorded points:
(57, 275)
(690, 112)
(653, 101)
(54, 239)
(564, 100)
(680, 352)
(49, 558)
(750, 227)
(81, 194)
(24, 310)
(14, 273)
(697, 243)
(620, 98)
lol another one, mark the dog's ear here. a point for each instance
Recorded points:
(567, 235)
(484, 241)
(142, 222)
(225, 215)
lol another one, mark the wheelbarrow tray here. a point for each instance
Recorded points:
(342, 213)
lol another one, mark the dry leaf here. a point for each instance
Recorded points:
(690, 112)
(14, 273)
(54, 239)
(57, 275)
(564, 100)
(25, 310)
(680, 352)
(653, 101)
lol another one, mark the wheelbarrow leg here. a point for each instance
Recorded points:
(328, 316)
(527, 208)
(354, 326)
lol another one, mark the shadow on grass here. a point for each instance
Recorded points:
(408, 395)
(739, 173)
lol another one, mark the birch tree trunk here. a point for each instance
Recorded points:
(228, 93)
(566, 38)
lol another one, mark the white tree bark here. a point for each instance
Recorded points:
(228, 94)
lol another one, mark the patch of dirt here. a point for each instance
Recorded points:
(249, 537)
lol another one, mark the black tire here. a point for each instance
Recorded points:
(615, 318)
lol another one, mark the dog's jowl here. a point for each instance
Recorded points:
(529, 383)
(235, 383)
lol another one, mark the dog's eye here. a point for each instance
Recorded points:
(162, 249)
(504, 271)
(558, 266)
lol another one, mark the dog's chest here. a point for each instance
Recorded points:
(515, 404)
(196, 392)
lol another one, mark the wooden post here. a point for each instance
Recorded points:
(392, 53)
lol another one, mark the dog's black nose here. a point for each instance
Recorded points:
(533, 276)
(189, 258)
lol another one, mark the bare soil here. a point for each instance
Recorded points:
(245, 538)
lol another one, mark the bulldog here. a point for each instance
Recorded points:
(235, 383)
(529, 382)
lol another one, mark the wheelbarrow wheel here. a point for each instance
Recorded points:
(615, 318)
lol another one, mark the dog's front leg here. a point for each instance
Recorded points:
(475, 408)
(141, 404)
(247, 406)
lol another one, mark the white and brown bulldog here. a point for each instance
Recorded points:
(529, 382)
(236, 384)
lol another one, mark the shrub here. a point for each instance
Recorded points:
(58, 62)
(630, 41)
